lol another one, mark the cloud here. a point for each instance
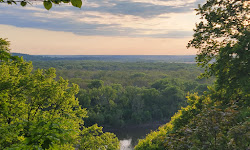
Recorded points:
(176, 3)
(141, 9)
(129, 18)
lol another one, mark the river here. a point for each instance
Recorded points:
(129, 136)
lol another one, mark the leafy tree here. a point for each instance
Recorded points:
(95, 84)
(223, 38)
(217, 119)
(38, 112)
(213, 128)
(94, 138)
(5, 51)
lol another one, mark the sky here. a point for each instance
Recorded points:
(101, 27)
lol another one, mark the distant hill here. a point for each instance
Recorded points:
(115, 58)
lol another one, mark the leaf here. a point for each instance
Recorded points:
(76, 3)
(23, 3)
(66, 1)
(9, 2)
(47, 4)
(56, 1)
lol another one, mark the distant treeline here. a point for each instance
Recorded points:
(113, 58)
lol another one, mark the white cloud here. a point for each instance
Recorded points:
(161, 24)
(175, 3)
(101, 18)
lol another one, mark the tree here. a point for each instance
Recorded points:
(46, 3)
(222, 38)
(95, 84)
(221, 115)
(38, 112)
(5, 51)
(94, 138)
(211, 129)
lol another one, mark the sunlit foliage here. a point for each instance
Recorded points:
(38, 112)
(220, 117)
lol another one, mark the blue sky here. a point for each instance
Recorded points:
(166, 24)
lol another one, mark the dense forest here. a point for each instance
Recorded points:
(125, 93)
(39, 110)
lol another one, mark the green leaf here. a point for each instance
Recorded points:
(9, 2)
(56, 1)
(23, 3)
(76, 3)
(66, 1)
(47, 4)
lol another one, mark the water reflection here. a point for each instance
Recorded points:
(126, 144)
(129, 136)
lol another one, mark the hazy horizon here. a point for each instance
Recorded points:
(94, 55)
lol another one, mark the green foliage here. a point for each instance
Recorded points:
(220, 117)
(4, 51)
(23, 3)
(141, 74)
(76, 3)
(117, 94)
(204, 124)
(223, 23)
(156, 139)
(224, 36)
(115, 105)
(39, 112)
(211, 129)
(94, 138)
(95, 84)
(46, 3)
(233, 67)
